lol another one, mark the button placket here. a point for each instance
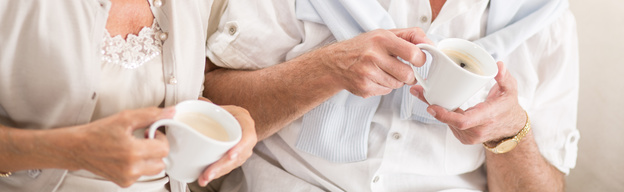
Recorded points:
(163, 36)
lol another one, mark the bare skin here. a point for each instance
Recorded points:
(107, 147)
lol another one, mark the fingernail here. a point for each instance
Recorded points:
(203, 183)
(233, 155)
(430, 111)
(414, 92)
(211, 177)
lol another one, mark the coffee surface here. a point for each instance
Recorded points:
(464, 61)
(203, 124)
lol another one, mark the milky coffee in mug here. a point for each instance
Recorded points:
(199, 134)
(464, 61)
(459, 68)
(203, 124)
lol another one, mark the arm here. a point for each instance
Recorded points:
(499, 117)
(522, 169)
(275, 96)
(105, 147)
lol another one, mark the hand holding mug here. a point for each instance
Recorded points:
(108, 148)
(498, 117)
(367, 64)
(236, 156)
(199, 134)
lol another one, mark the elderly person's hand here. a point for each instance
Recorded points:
(498, 117)
(236, 156)
(367, 64)
(107, 147)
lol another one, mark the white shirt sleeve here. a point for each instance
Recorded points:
(549, 89)
(258, 36)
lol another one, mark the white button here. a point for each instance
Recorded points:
(172, 80)
(158, 3)
(232, 30)
(376, 179)
(424, 19)
(163, 36)
(396, 136)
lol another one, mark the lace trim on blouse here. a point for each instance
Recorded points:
(133, 51)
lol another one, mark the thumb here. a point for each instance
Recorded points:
(418, 91)
(505, 81)
(455, 118)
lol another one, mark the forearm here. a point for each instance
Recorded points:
(22, 149)
(274, 96)
(522, 169)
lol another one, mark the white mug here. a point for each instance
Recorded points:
(449, 84)
(190, 151)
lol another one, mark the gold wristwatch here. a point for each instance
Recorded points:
(7, 174)
(510, 143)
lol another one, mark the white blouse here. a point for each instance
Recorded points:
(51, 65)
(131, 78)
(132, 72)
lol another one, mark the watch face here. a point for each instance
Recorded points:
(506, 146)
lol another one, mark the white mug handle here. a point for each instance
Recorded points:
(152, 131)
(431, 52)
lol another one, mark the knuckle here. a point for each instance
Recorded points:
(419, 31)
(367, 71)
(463, 124)
(368, 55)
(124, 115)
(378, 35)
(407, 76)
(396, 84)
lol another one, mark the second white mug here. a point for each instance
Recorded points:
(199, 134)
(458, 70)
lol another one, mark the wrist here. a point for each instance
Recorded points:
(56, 148)
(508, 143)
(318, 69)
(26, 149)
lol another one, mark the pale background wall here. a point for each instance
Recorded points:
(600, 164)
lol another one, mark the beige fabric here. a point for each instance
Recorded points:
(50, 72)
(218, 7)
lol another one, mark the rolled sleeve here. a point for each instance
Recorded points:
(553, 110)
(257, 36)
